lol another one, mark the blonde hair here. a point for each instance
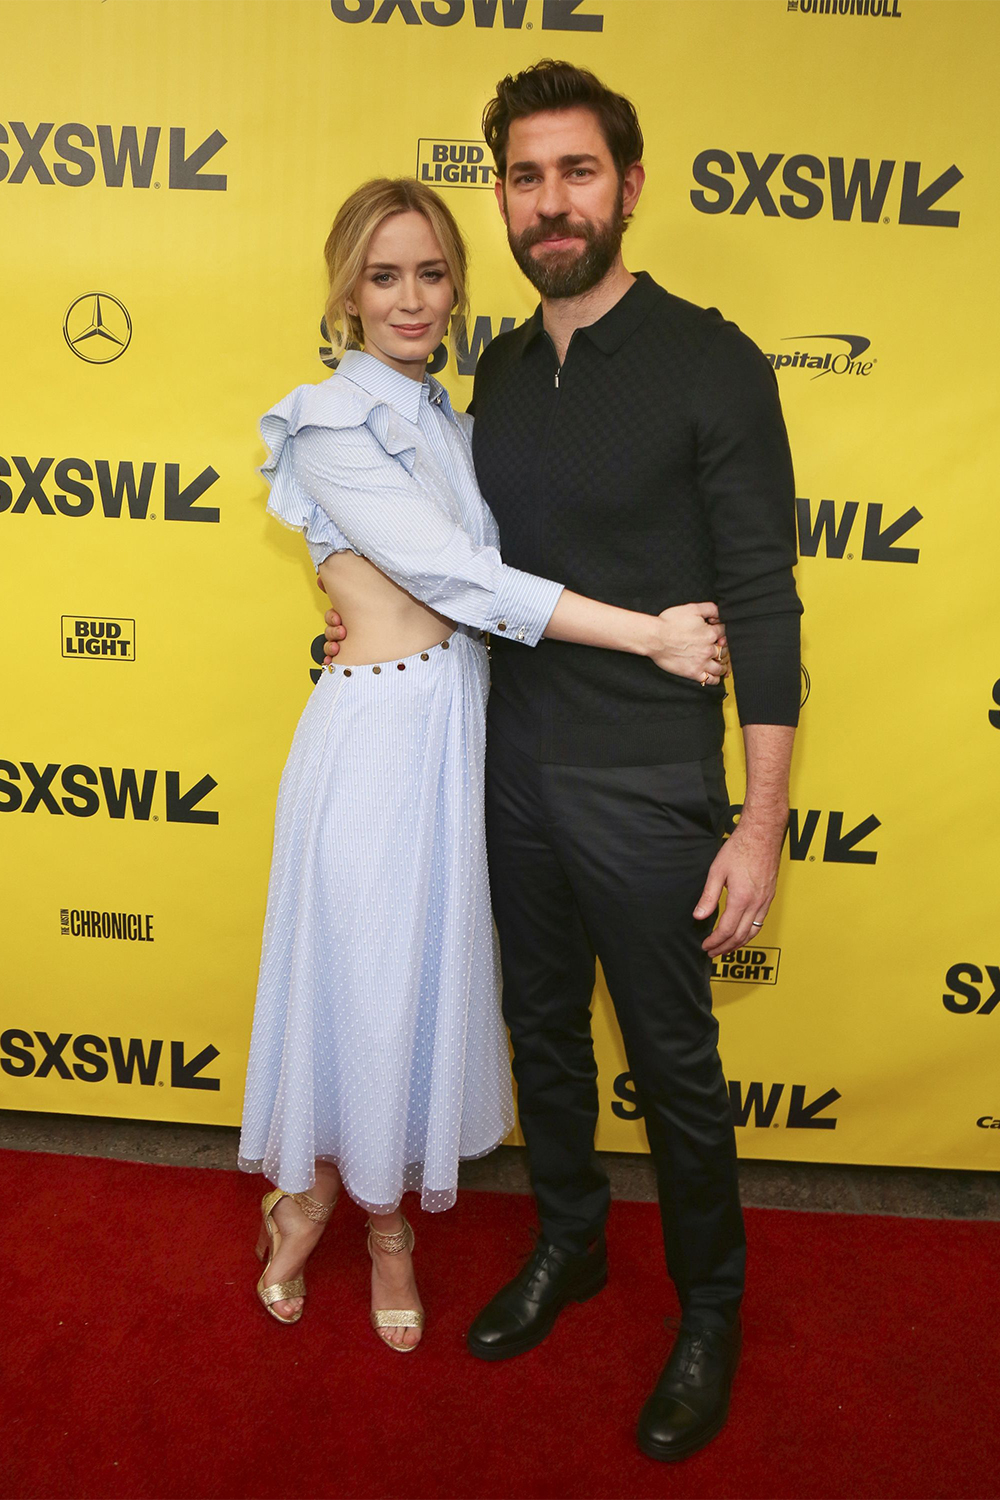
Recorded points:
(347, 244)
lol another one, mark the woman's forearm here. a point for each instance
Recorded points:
(686, 639)
(586, 622)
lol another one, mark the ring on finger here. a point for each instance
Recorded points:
(756, 924)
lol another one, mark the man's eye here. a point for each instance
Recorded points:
(581, 172)
(520, 181)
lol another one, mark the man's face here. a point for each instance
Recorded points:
(562, 201)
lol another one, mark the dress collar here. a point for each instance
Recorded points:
(386, 384)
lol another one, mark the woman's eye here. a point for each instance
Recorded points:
(381, 278)
(433, 275)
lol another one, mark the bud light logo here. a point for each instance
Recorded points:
(449, 163)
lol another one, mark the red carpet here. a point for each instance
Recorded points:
(141, 1366)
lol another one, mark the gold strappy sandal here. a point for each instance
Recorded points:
(282, 1291)
(394, 1317)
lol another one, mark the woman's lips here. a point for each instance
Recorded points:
(410, 330)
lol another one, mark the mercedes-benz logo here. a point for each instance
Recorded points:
(97, 328)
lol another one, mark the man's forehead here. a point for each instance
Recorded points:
(556, 132)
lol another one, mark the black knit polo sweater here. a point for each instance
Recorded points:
(652, 469)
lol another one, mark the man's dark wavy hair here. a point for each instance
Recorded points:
(560, 85)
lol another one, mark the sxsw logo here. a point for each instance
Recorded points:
(109, 640)
(821, 362)
(450, 163)
(748, 966)
(92, 1059)
(757, 1108)
(75, 155)
(839, 844)
(859, 189)
(557, 15)
(833, 525)
(966, 994)
(126, 793)
(753, 1107)
(74, 486)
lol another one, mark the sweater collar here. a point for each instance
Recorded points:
(618, 323)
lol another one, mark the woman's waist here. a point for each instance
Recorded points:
(374, 642)
(460, 640)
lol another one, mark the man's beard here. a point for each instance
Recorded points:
(569, 273)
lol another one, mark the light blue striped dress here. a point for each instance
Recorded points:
(377, 1039)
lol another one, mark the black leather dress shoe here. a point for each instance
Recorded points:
(690, 1401)
(524, 1311)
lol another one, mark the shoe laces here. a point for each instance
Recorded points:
(534, 1261)
(692, 1349)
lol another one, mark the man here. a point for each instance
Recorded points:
(631, 445)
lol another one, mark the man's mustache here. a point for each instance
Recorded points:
(556, 229)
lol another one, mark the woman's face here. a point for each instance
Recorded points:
(404, 294)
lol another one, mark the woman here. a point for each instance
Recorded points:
(378, 1057)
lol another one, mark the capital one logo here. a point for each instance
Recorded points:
(859, 189)
(74, 156)
(557, 15)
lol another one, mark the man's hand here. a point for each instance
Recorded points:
(747, 863)
(336, 630)
(747, 866)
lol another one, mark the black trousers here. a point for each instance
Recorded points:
(610, 861)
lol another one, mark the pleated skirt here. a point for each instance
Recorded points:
(377, 1038)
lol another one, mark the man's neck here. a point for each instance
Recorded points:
(562, 316)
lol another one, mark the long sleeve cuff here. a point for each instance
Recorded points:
(767, 672)
(522, 606)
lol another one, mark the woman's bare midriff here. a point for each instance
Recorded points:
(383, 621)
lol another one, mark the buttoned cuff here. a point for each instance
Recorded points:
(522, 606)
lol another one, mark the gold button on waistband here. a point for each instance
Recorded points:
(445, 645)
(376, 670)
(424, 656)
(501, 624)
(401, 666)
(347, 671)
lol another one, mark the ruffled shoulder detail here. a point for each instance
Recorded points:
(337, 404)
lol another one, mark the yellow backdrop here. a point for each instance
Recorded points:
(823, 172)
